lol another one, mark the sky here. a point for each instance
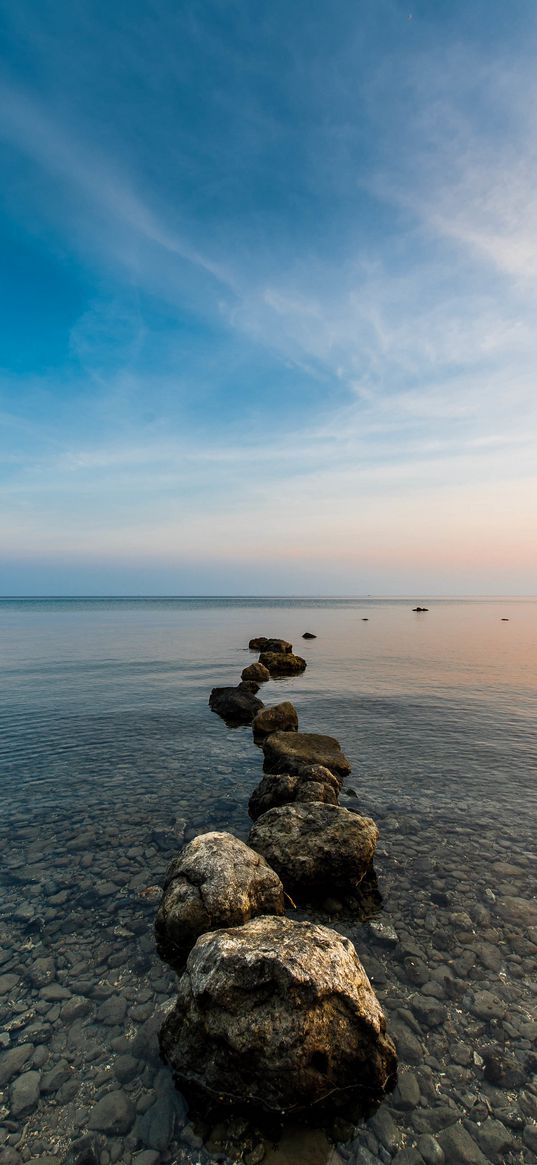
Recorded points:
(268, 297)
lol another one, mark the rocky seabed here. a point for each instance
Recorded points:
(451, 958)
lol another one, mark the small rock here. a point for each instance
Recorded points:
(312, 847)
(12, 1061)
(309, 635)
(256, 672)
(287, 752)
(459, 1147)
(431, 1151)
(235, 705)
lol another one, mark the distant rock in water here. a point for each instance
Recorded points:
(314, 783)
(286, 752)
(235, 705)
(504, 619)
(257, 672)
(215, 881)
(279, 718)
(315, 848)
(365, 619)
(420, 608)
(264, 644)
(282, 663)
(309, 635)
(279, 1015)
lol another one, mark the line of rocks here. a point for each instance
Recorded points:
(275, 1013)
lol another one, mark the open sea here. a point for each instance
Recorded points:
(110, 756)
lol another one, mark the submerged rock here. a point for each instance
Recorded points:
(282, 663)
(257, 672)
(288, 752)
(235, 705)
(314, 783)
(316, 848)
(280, 1015)
(216, 881)
(280, 718)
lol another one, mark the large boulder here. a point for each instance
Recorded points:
(258, 644)
(282, 663)
(235, 705)
(279, 718)
(286, 752)
(216, 881)
(316, 848)
(257, 672)
(280, 1015)
(314, 783)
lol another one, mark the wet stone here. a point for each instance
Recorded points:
(407, 1093)
(113, 1010)
(8, 983)
(431, 1151)
(114, 1113)
(12, 1061)
(25, 1093)
(459, 1147)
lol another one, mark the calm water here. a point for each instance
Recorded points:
(109, 753)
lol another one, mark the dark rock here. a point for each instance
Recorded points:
(501, 1069)
(281, 663)
(24, 1093)
(280, 1014)
(249, 686)
(255, 671)
(258, 644)
(114, 1113)
(314, 783)
(279, 718)
(459, 1147)
(420, 608)
(83, 1151)
(287, 752)
(278, 646)
(309, 635)
(315, 847)
(216, 881)
(235, 705)
(12, 1061)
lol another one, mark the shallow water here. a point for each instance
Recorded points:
(109, 756)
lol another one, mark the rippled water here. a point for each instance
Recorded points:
(108, 752)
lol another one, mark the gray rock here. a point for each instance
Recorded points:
(9, 1156)
(494, 1139)
(407, 1093)
(518, 911)
(282, 663)
(256, 672)
(125, 1068)
(147, 1157)
(287, 752)
(75, 1008)
(8, 983)
(235, 705)
(386, 1130)
(114, 1113)
(407, 1157)
(12, 1061)
(384, 932)
(459, 1147)
(486, 1005)
(529, 1136)
(113, 1010)
(280, 718)
(313, 783)
(216, 881)
(431, 1151)
(156, 1126)
(315, 847)
(25, 1093)
(56, 1077)
(279, 1013)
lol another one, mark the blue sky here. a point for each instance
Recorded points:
(268, 293)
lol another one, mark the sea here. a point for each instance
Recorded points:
(110, 759)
